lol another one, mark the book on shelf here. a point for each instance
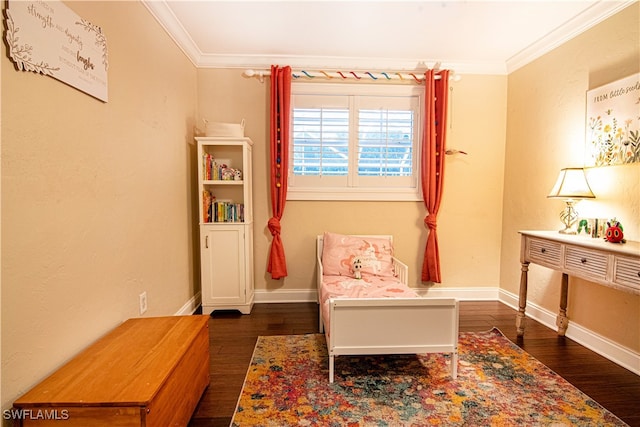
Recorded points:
(209, 167)
(220, 210)
(206, 205)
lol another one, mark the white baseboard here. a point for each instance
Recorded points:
(621, 355)
(615, 352)
(462, 294)
(286, 295)
(190, 306)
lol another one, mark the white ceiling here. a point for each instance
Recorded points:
(468, 36)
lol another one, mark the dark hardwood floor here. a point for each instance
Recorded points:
(233, 337)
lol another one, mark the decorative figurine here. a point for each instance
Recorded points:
(227, 173)
(584, 225)
(614, 232)
(357, 266)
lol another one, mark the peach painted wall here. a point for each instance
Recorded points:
(545, 132)
(97, 198)
(471, 211)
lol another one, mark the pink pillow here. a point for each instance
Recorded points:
(339, 250)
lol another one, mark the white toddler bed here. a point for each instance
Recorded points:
(379, 313)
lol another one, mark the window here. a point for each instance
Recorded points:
(355, 142)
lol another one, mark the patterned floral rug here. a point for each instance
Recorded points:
(498, 384)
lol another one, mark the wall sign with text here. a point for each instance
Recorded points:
(46, 37)
(613, 123)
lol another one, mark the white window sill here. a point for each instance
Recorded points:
(359, 194)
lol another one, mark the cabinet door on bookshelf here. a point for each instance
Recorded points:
(223, 268)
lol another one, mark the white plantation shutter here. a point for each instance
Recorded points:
(352, 142)
(321, 141)
(384, 145)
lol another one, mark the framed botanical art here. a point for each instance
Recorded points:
(613, 123)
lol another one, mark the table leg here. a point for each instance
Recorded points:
(562, 321)
(522, 303)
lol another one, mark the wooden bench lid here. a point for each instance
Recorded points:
(126, 367)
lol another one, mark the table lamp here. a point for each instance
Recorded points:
(571, 186)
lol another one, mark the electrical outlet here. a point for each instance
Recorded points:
(143, 302)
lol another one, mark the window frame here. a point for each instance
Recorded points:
(305, 188)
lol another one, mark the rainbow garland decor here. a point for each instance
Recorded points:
(358, 75)
(498, 384)
(370, 76)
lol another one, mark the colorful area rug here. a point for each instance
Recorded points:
(498, 384)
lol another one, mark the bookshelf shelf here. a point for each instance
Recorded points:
(226, 223)
(222, 182)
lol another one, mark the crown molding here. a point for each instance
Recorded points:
(590, 17)
(167, 20)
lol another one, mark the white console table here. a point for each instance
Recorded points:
(616, 265)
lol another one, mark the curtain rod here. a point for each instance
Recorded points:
(344, 75)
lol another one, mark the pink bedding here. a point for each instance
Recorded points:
(367, 287)
(339, 251)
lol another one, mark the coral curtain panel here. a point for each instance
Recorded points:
(432, 167)
(279, 154)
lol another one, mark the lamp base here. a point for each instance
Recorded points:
(568, 231)
(569, 217)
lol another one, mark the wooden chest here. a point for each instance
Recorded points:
(146, 372)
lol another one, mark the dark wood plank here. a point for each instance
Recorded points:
(233, 337)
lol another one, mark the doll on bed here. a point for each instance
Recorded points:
(357, 266)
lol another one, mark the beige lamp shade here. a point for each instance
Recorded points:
(572, 184)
